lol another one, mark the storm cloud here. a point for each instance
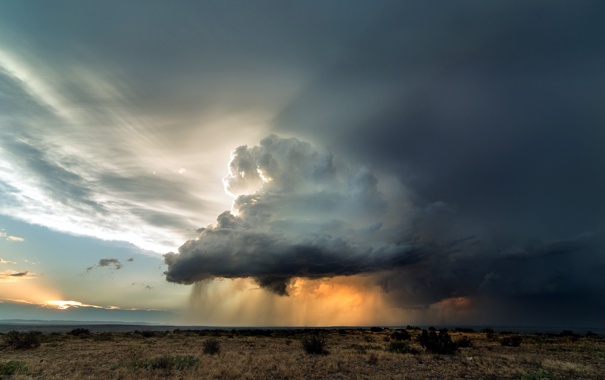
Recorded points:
(298, 212)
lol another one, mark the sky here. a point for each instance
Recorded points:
(317, 163)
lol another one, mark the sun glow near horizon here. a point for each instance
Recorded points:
(63, 305)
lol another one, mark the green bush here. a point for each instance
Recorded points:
(401, 348)
(167, 363)
(438, 343)
(23, 340)
(314, 345)
(401, 335)
(211, 346)
(11, 367)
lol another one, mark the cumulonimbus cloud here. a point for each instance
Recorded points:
(298, 213)
(301, 213)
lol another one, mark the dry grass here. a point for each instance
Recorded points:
(356, 354)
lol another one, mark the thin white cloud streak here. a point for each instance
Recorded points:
(33, 84)
(69, 304)
(125, 182)
(10, 238)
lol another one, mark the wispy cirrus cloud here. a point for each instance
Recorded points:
(114, 189)
(71, 304)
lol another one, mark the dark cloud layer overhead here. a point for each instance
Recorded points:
(488, 116)
(300, 212)
(493, 109)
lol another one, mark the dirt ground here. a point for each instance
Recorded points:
(279, 354)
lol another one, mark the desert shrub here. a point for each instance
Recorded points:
(314, 345)
(361, 348)
(211, 346)
(489, 334)
(464, 341)
(511, 341)
(23, 340)
(373, 359)
(260, 332)
(401, 348)
(540, 374)
(167, 362)
(148, 333)
(11, 367)
(570, 334)
(79, 332)
(437, 342)
(369, 338)
(401, 335)
(53, 337)
(376, 329)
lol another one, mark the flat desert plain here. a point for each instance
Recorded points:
(279, 354)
